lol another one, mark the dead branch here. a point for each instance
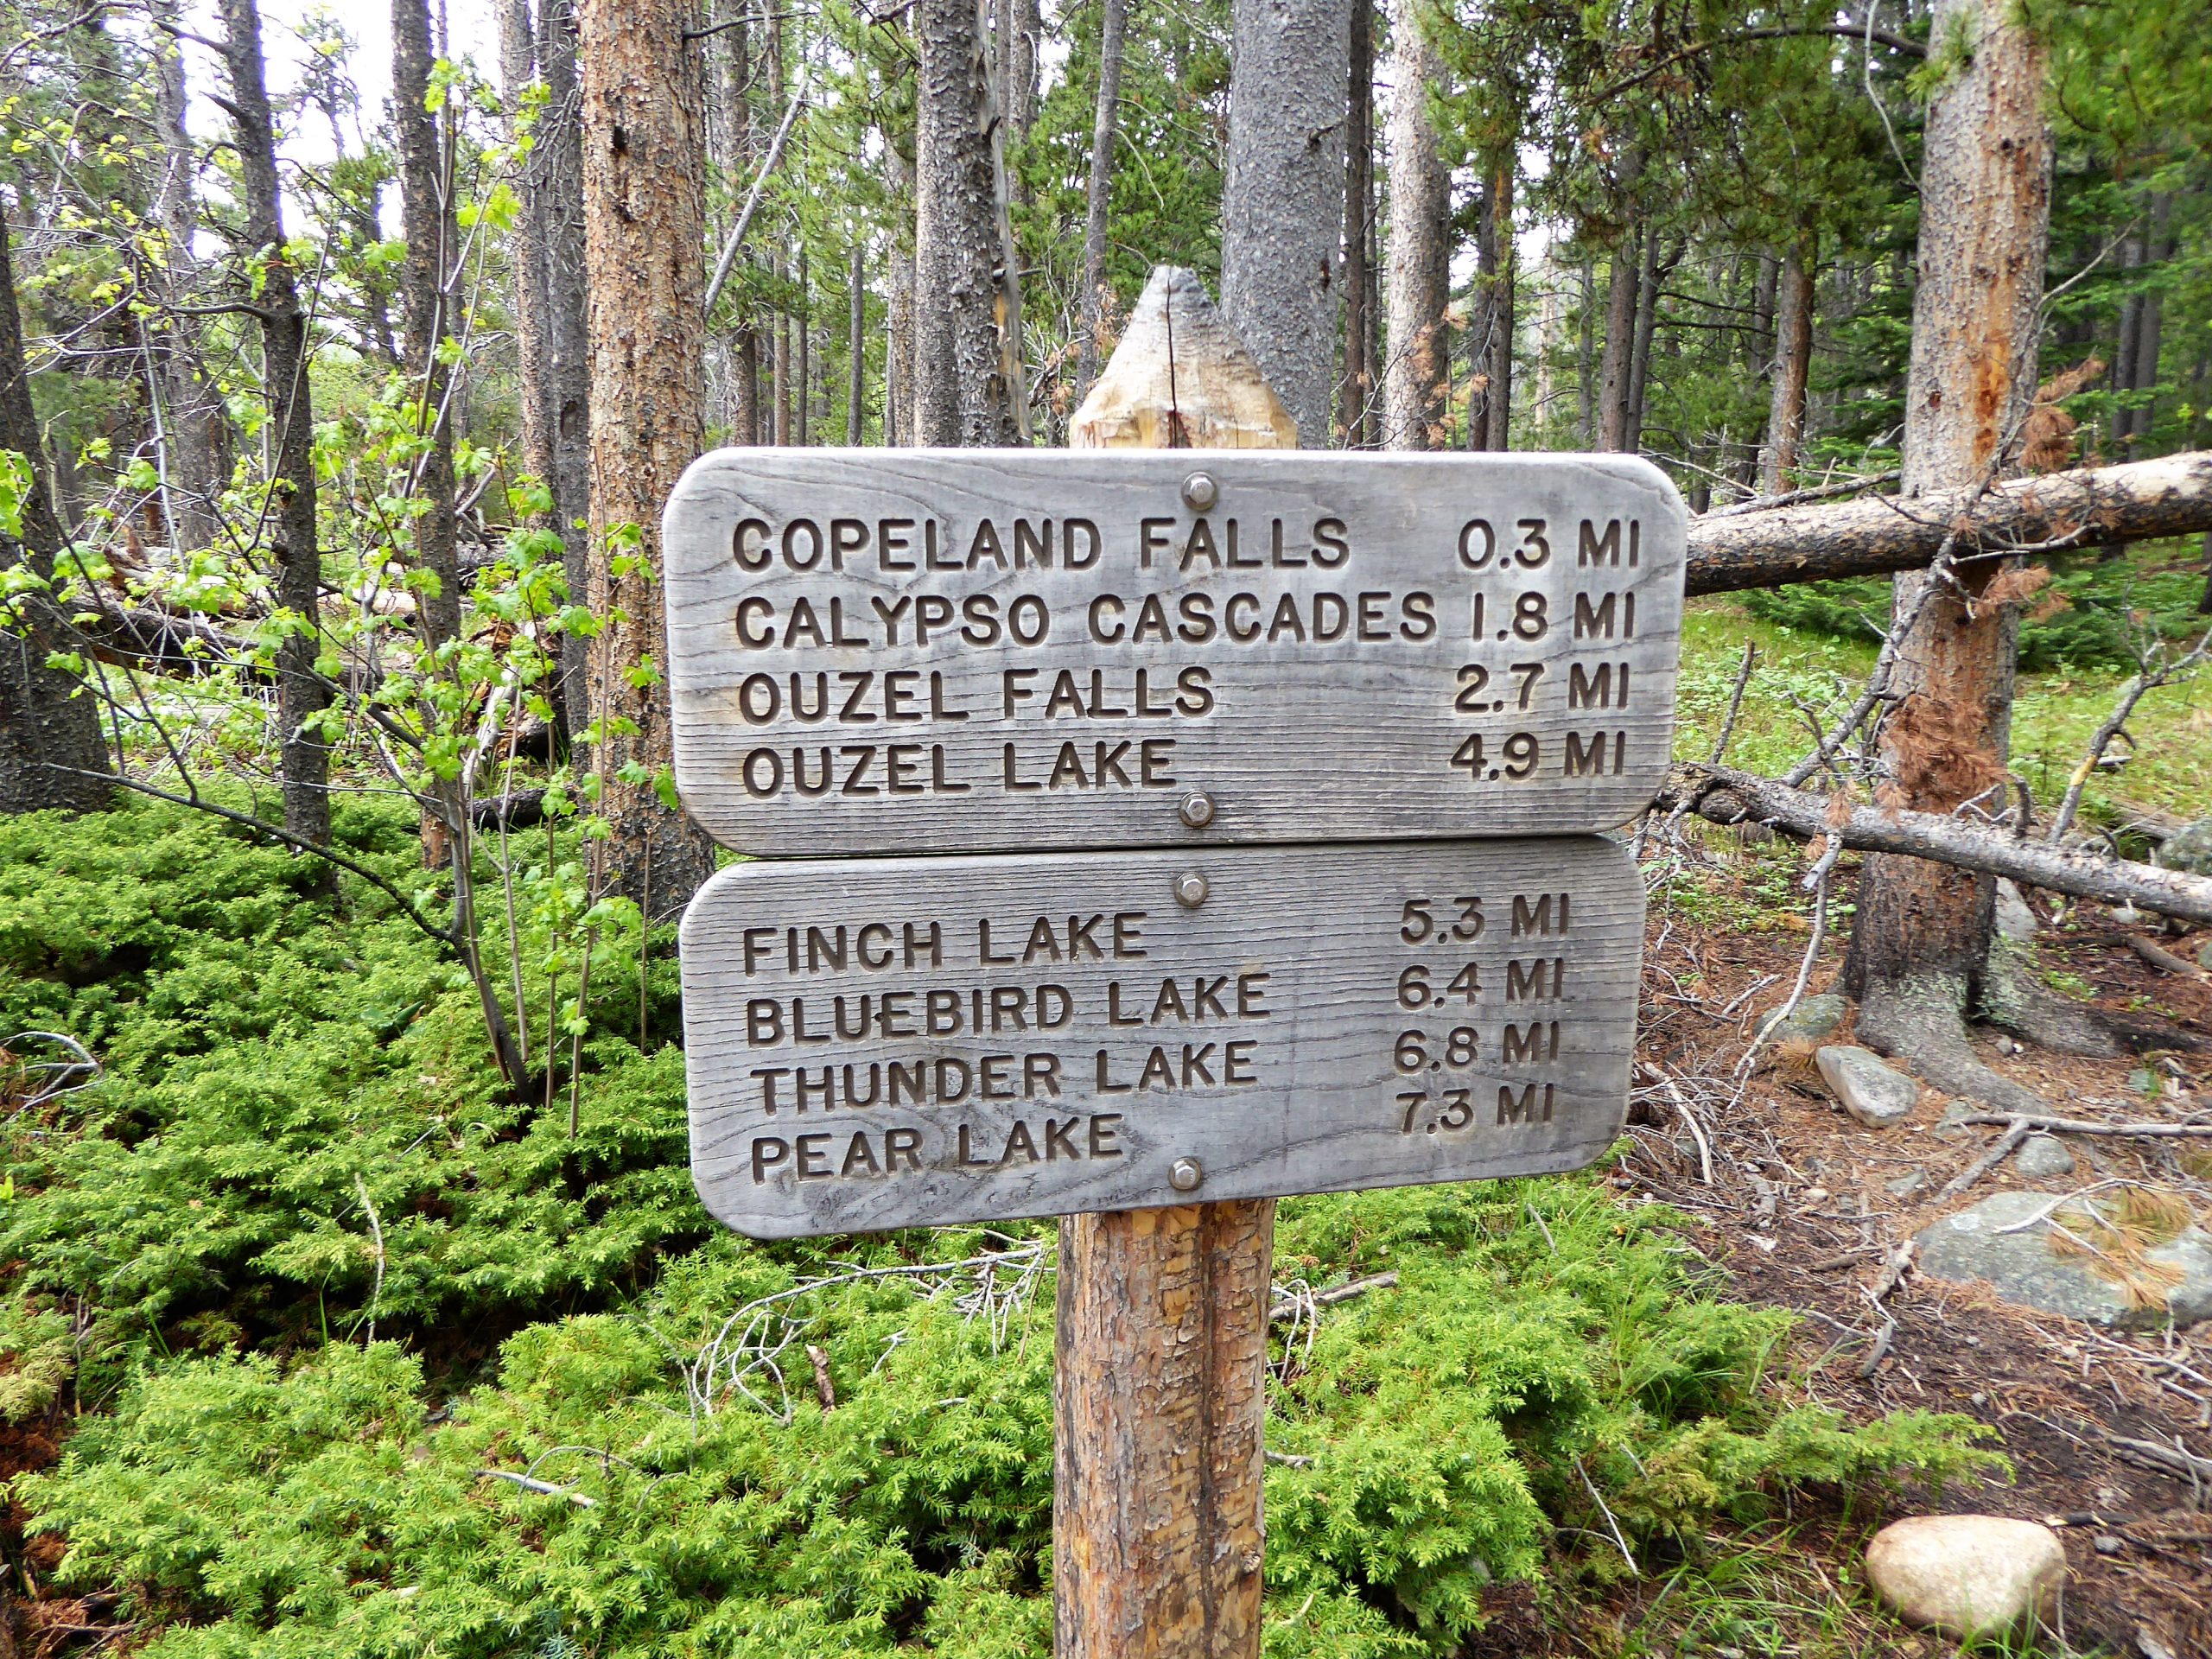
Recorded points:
(2085, 1126)
(2016, 1130)
(1725, 796)
(2088, 506)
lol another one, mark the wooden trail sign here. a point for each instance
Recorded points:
(926, 1042)
(938, 650)
(1133, 668)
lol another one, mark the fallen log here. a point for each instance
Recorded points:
(2057, 512)
(1725, 796)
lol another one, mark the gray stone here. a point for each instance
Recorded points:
(2144, 1081)
(2043, 1158)
(2204, 956)
(1955, 1114)
(1813, 1019)
(2021, 1266)
(1870, 1090)
(2015, 920)
(1910, 1184)
(1965, 1575)
(2190, 850)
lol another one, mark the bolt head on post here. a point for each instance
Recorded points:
(1200, 492)
(1197, 809)
(1186, 1174)
(1189, 889)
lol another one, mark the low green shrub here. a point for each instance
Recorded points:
(297, 1422)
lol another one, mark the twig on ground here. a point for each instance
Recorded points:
(2083, 1126)
(2145, 679)
(1619, 1543)
(1697, 1130)
(1287, 1305)
(543, 1488)
(2016, 1131)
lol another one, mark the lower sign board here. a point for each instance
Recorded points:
(906, 1042)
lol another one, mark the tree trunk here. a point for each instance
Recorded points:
(51, 751)
(1758, 357)
(963, 396)
(1921, 934)
(550, 308)
(1587, 382)
(2145, 500)
(856, 342)
(1785, 421)
(427, 217)
(730, 113)
(1726, 796)
(1159, 1389)
(1102, 125)
(1649, 273)
(802, 355)
(1619, 366)
(899, 324)
(194, 465)
(568, 343)
(1290, 65)
(303, 760)
(1416, 271)
(645, 207)
(1353, 411)
(1490, 405)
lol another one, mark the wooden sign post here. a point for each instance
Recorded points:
(1162, 1343)
(1148, 830)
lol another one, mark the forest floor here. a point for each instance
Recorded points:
(1798, 1201)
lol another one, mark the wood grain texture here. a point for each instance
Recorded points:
(1262, 1033)
(1158, 1543)
(796, 745)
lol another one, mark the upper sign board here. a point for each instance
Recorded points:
(878, 651)
(905, 1042)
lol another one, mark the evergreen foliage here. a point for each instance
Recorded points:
(264, 1475)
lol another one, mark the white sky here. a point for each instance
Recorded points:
(472, 31)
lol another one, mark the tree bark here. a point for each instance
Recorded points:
(1415, 375)
(194, 464)
(1289, 69)
(1159, 1389)
(1103, 121)
(427, 217)
(1726, 796)
(303, 760)
(1354, 413)
(1619, 362)
(1921, 934)
(1489, 403)
(644, 215)
(552, 308)
(964, 394)
(51, 751)
(2144, 500)
(856, 342)
(1647, 275)
(730, 118)
(802, 355)
(899, 401)
(1785, 421)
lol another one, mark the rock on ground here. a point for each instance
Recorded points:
(2043, 1158)
(2015, 920)
(1869, 1089)
(2190, 850)
(2006, 1240)
(1813, 1019)
(1966, 1574)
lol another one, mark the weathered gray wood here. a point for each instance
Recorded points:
(1291, 986)
(1342, 726)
